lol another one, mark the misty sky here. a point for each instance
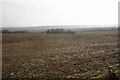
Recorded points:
(59, 12)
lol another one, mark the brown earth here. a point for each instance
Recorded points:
(58, 55)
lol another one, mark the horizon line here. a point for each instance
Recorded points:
(62, 25)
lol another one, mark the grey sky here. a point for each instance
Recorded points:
(59, 12)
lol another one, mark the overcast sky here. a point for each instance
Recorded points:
(59, 12)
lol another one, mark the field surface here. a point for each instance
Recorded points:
(58, 55)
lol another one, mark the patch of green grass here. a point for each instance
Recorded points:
(117, 71)
(95, 76)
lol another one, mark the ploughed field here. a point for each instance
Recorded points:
(58, 55)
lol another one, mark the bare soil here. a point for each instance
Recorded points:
(58, 55)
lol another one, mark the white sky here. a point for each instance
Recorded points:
(58, 12)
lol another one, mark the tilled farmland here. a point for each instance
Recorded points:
(60, 55)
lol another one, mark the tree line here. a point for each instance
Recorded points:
(59, 31)
(7, 31)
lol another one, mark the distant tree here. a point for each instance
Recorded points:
(48, 31)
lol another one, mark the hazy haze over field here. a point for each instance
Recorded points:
(59, 12)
